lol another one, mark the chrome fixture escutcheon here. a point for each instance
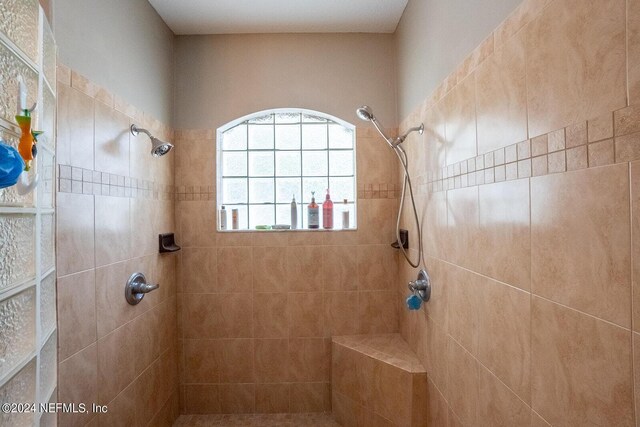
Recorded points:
(421, 286)
(136, 287)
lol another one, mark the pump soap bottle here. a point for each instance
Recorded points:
(313, 212)
(327, 212)
(345, 215)
(294, 213)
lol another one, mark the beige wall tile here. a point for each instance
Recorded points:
(504, 251)
(463, 387)
(304, 268)
(269, 269)
(111, 140)
(557, 162)
(463, 314)
(574, 211)
(196, 224)
(635, 250)
(577, 158)
(112, 309)
(636, 370)
(305, 314)
(505, 331)
(271, 360)
(235, 362)
(112, 232)
(377, 312)
(310, 397)
(195, 161)
(339, 271)
(556, 140)
(77, 313)
(627, 148)
(600, 128)
(377, 267)
(463, 226)
(501, 97)
(633, 50)
(272, 398)
(569, 64)
(581, 368)
(78, 383)
(115, 370)
(75, 233)
(201, 361)
(218, 315)
(499, 406)
(198, 270)
(626, 120)
(309, 360)
(234, 269)
(437, 408)
(576, 134)
(202, 398)
(434, 223)
(270, 315)
(601, 153)
(460, 119)
(339, 317)
(75, 128)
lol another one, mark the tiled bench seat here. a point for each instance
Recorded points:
(377, 380)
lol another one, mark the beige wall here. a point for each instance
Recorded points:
(224, 77)
(113, 201)
(528, 189)
(434, 36)
(122, 45)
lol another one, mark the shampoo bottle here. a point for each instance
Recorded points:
(313, 212)
(294, 213)
(327, 212)
(345, 215)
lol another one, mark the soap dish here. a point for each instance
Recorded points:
(168, 243)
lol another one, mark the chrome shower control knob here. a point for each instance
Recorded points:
(421, 287)
(136, 287)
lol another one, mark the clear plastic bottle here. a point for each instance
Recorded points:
(223, 218)
(327, 212)
(294, 213)
(345, 215)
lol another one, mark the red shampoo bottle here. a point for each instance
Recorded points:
(327, 212)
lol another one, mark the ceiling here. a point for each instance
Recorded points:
(280, 16)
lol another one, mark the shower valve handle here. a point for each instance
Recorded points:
(421, 286)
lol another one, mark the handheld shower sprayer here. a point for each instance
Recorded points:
(158, 148)
(366, 113)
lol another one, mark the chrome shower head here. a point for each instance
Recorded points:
(365, 113)
(158, 148)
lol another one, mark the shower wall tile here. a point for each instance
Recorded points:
(111, 140)
(77, 308)
(78, 382)
(75, 128)
(75, 233)
(112, 232)
(577, 210)
(460, 119)
(569, 384)
(501, 92)
(562, 79)
(633, 50)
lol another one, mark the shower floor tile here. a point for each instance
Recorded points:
(257, 420)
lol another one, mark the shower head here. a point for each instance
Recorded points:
(365, 113)
(158, 148)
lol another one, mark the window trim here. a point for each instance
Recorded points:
(301, 211)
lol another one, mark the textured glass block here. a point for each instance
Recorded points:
(47, 237)
(261, 163)
(288, 137)
(288, 163)
(235, 138)
(310, 118)
(48, 369)
(340, 163)
(314, 137)
(20, 388)
(340, 136)
(261, 215)
(17, 329)
(46, 172)
(286, 188)
(10, 67)
(48, 303)
(287, 117)
(48, 122)
(260, 137)
(234, 163)
(341, 188)
(234, 191)
(283, 214)
(314, 163)
(17, 249)
(9, 196)
(49, 56)
(243, 218)
(267, 118)
(261, 190)
(319, 185)
(19, 22)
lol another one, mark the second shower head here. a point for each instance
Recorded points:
(158, 147)
(366, 113)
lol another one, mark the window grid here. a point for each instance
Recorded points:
(303, 201)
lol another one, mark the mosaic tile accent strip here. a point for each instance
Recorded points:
(611, 138)
(86, 181)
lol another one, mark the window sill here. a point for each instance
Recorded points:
(313, 230)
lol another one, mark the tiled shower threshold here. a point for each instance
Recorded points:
(257, 420)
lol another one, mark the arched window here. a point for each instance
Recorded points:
(267, 158)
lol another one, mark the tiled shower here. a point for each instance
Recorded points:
(526, 183)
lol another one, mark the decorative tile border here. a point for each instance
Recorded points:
(608, 139)
(86, 181)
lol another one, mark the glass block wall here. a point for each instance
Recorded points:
(28, 339)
